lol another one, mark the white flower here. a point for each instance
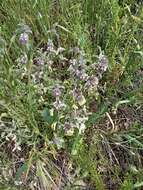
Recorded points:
(58, 104)
(102, 63)
(58, 141)
(50, 46)
(23, 59)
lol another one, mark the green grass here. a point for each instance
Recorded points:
(108, 154)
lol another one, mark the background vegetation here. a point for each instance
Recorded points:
(96, 141)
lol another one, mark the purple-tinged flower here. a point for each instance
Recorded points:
(24, 38)
(39, 61)
(50, 46)
(56, 91)
(91, 83)
(77, 94)
(58, 104)
(102, 63)
(67, 126)
(81, 74)
(77, 68)
(94, 80)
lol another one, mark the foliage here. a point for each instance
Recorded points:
(71, 94)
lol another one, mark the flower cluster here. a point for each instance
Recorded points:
(23, 59)
(24, 38)
(50, 46)
(57, 93)
(77, 68)
(92, 83)
(65, 80)
(78, 96)
(23, 30)
(103, 63)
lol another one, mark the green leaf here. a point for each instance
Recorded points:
(76, 145)
(82, 101)
(21, 170)
(95, 116)
(48, 117)
(133, 140)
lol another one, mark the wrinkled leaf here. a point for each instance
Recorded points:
(48, 117)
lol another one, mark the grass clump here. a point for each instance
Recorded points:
(71, 101)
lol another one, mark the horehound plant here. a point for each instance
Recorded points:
(57, 85)
(71, 94)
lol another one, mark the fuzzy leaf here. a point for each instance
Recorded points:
(48, 117)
